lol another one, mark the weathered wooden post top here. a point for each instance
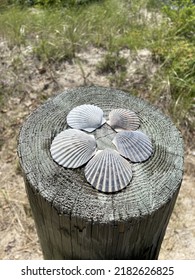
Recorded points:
(110, 206)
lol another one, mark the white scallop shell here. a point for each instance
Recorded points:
(86, 117)
(72, 148)
(123, 119)
(108, 172)
(134, 145)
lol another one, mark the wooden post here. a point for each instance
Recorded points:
(75, 221)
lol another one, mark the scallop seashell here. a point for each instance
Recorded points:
(108, 172)
(72, 148)
(123, 119)
(134, 145)
(86, 117)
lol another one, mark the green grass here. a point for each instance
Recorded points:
(57, 33)
(176, 53)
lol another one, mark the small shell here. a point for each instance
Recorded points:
(108, 171)
(134, 145)
(72, 148)
(123, 119)
(86, 117)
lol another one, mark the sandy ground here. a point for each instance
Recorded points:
(28, 83)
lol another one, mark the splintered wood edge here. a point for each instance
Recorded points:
(154, 181)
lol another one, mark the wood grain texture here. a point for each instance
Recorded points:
(73, 220)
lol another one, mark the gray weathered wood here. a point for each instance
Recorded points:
(73, 220)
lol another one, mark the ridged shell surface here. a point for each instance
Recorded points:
(72, 148)
(123, 119)
(86, 117)
(134, 145)
(108, 172)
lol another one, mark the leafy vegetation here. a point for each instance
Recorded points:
(57, 30)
